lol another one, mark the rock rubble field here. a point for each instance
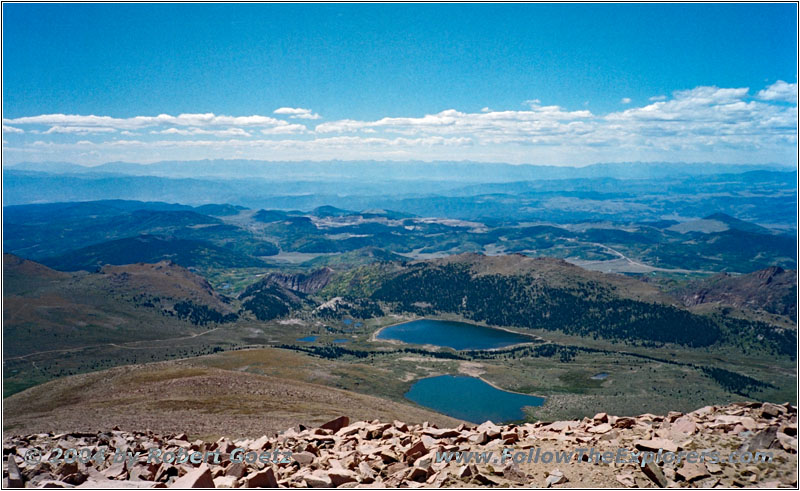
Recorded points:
(345, 454)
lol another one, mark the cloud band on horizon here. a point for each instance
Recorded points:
(727, 123)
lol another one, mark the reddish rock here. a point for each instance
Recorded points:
(263, 479)
(653, 472)
(625, 423)
(336, 424)
(303, 458)
(14, 475)
(415, 451)
(341, 476)
(237, 470)
(196, 478)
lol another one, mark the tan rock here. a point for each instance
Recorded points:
(770, 411)
(116, 470)
(691, 472)
(492, 430)
(428, 441)
(626, 479)
(395, 468)
(509, 437)
(656, 444)
(788, 443)
(366, 471)
(464, 472)
(685, 425)
(601, 429)
(479, 438)
(228, 482)
(561, 426)
(303, 458)
(703, 411)
(318, 480)
(555, 477)
(600, 418)
(262, 443)
(437, 433)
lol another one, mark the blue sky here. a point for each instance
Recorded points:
(536, 83)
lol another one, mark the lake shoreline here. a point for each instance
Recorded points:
(534, 338)
(503, 394)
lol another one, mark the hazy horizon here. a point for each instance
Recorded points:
(792, 166)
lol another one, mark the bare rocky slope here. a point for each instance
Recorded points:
(773, 290)
(178, 396)
(395, 454)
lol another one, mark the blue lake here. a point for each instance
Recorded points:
(341, 340)
(470, 399)
(308, 339)
(456, 335)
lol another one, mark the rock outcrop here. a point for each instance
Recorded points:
(304, 283)
(342, 454)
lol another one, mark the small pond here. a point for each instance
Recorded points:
(470, 399)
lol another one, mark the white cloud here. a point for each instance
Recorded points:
(451, 122)
(703, 123)
(297, 113)
(625, 100)
(285, 130)
(82, 130)
(136, 122)
(200, 131)
(11, 129)
(779, 91)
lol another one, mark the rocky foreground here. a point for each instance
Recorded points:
(375, 454)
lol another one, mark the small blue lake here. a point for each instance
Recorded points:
(308, 339)
(341, 340)
(456, 335)
(470, 399)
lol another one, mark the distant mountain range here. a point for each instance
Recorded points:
(760, 194)
(464, 171)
